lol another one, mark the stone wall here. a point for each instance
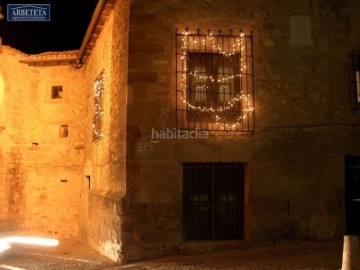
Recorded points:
(296, 154)
(73, 186)
(105, 159)
(41, 171)
(12, 178)
(122, 194)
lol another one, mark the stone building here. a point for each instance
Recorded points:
(186, 126)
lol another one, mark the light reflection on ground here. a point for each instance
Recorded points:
(5, 242)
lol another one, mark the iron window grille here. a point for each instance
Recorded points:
(213, 201)
(215, 81)
(354, 80)
(98, 116)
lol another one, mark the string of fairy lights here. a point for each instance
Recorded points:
(224, 83)
(98, 105)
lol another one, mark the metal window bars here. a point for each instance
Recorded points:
(215, 81)
(213, 201)
(98, 114)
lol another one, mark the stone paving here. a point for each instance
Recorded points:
(74, 255)
(304, 256)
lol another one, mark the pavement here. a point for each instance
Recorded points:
(72, 254)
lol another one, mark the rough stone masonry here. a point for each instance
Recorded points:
(128, 204)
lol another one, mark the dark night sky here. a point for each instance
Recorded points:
(65, 31)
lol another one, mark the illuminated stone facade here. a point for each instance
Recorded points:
(41, 171)
(123, 194)
(55, 181)
(295, 157)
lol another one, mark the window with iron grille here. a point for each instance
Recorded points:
(213, 201)
(98, 107)
(214, 81)
(354, 80)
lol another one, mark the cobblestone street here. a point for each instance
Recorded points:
(302, 256)
(74, 255)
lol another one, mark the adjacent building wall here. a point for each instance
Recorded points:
(296, 154)
(105, 158)
(73, 186)
(40, 170)
(12, 178)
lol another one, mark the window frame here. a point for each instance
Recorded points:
(213, 95)
(239, 113)
(211, 69)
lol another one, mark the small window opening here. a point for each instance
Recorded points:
(57, 92)
(63, 131)
(88, 179)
